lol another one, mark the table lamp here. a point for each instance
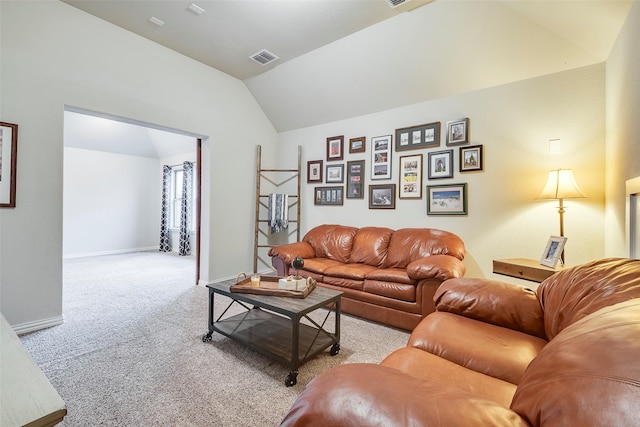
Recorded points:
(561, 185)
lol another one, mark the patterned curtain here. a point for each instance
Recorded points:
(185, 211)
(165, 246)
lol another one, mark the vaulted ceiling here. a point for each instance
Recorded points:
(346, 58)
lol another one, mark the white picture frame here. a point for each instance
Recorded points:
(552, 251)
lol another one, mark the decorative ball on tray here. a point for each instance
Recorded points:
(297, 263)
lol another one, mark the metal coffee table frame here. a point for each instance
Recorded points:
(271, 325)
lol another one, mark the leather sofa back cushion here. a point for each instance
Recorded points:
(574, 293)
(588, 375)
(370, 246)
(332, 241)
(410, 244)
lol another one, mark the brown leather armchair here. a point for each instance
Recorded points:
(495, 354)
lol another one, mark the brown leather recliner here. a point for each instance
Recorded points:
(496, 354)
(388, 276)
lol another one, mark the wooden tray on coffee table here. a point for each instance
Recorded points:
(269, 285)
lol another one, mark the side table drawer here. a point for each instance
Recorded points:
(523, 269)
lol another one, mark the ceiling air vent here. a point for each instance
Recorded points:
(264, 57)
(406, 5)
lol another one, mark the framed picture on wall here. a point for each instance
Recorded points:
(415, 137)
(381, 157)
(382, 196)
(328, 195)
(447, 199)
(8, 164)
(357, 145)
(355, 179)
(335, 148)
(440, 164)
(458, 132)
(471, 158)
(411, 177)
(335, 174)
(314, 171)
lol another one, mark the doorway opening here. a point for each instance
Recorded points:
(112, 185)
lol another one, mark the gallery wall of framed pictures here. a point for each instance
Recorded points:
(426, 165)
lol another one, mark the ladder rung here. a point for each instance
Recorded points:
(290, 195)
(266, 220)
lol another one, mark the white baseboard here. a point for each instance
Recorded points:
(114, 252)
(25, 328)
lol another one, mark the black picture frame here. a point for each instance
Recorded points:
(471, 158)
(332, 196)
(440, 164)
(382, 196)
(416, 137)
(447, 199)
(355, 179)
(334, 174)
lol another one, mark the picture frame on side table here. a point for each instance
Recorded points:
(552, 251)
(448, 199)
(358, 145)
(314, 171)
(335, 174)
(458, 132)
(335, 148)
(471, 158)
(440, 164)
(333, 196)
(410, 177)
(381, 157)
(382, 196)
(8, 164)
(355, 179)
(415, 137)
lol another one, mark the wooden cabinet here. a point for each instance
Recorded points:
(522, 268)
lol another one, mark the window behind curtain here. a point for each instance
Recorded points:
(177, 175)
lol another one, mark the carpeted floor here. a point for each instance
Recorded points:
(130, 351)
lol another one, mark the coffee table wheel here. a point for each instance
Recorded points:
(207, 337)
(291, 379)
(335, 349)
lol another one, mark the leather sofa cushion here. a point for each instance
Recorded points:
(428, 367)
(397, 275)
(410, 244)
(492, 350)
(331, 241)
(393, 290)
(588, 374)
(350, 271)
(320, 265)
(370, 245)
(343, 282)
(576, 292)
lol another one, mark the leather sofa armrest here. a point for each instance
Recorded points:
(365, 395)
(492, 301)
(440, 267)
(289, 251)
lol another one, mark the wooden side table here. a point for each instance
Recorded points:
(522, 268)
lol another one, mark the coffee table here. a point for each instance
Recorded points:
(272, 325)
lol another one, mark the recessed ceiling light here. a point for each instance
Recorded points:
(196, 9)
(158, 22)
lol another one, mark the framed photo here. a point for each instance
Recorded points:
(328, 195)
(335, 148)
(471, 158)
(355, 179)
(382, 196)
(447, 199)
(440, 164)
(421, 136)
(381, 157)
(314, 171)
(552, 252)
(335, 174)
(411, 177)
(8, 163)
(358, 145)
(458, 132)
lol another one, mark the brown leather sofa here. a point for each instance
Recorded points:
(387, 276)
(496, 354)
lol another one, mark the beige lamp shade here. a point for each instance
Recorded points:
(561, 185)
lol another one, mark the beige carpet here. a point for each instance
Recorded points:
(130, 351)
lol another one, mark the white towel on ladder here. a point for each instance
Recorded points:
(278, 217)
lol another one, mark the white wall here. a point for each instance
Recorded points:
(623, 129)
(55, 55)
(514, 122)
(111, 203)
